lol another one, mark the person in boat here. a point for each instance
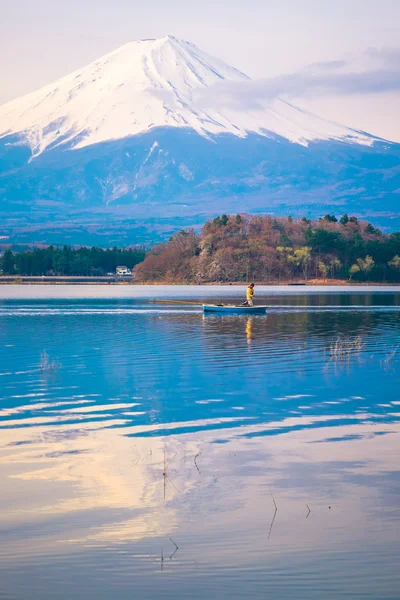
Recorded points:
(249, 295)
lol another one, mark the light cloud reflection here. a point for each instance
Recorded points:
(117, 482)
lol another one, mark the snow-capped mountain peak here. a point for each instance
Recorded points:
(146, 84)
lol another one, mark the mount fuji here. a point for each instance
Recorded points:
(158, 135)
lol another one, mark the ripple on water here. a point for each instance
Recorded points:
(152, 457)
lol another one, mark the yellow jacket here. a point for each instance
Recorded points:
(249, 292)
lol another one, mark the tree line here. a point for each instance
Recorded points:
(238, 248)
(69, 261)
(235, 248)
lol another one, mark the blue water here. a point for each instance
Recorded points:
(150, 451)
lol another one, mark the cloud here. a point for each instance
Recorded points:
(329, 65)
(376, 71)
(385, 56)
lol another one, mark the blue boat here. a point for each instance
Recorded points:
(235, 310)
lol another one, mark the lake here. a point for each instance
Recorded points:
(150, 451)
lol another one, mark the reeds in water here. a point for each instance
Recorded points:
(387, 362)
(343, 348)
(390, 356)
(47, 366)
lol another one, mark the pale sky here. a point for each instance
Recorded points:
(41, 40)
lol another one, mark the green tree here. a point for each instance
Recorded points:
(221, 221)
(60, 264)
(365, 264)
(323, 241)
(354, 269)
(285, 240)
(8, 263)
(372, 230)
(335, 265)
(330, 218)
(276, 226)
(80, 265)
(344, 219)
(301, 257)
(323, 268)
(285, 254)
(395, 262)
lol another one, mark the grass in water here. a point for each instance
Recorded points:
(47, 366)
(389, 357)
(343, 348)
(387, 362)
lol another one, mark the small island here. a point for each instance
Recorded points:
(275, 250)
(229, 249)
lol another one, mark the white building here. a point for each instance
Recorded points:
(123, 271)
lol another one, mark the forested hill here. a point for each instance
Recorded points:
(235, 249)
(267, 249)
(68, 261)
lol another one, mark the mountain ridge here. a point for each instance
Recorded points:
(147, 84)
(73, 164)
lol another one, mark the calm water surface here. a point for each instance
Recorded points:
(148, 451)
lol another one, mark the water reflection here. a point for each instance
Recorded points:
(262, 448)
(95, 494)
(249, 329)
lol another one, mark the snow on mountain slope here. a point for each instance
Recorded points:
(148, 84)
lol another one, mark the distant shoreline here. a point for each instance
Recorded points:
(30, 280)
